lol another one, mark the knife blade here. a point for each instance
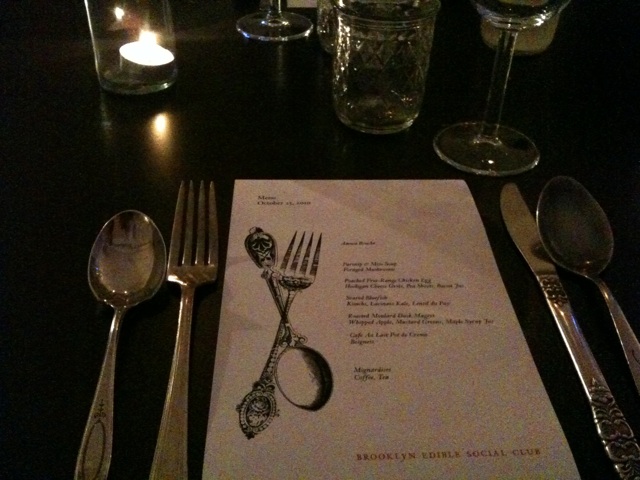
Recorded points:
(612, 427)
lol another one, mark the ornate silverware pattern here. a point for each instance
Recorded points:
(297, 272)
(612, 427)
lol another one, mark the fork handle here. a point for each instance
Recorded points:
(170, 457)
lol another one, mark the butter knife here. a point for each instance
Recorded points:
(613, 429)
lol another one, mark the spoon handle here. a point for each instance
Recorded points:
(94, 458)
(259, 407)
(613, 429)
(628, 339)
(170, 459)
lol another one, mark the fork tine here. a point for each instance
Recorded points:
(296, 256)
(316, 258)
(201, 226)
(213, 226)
(187, 251)
(285, 259)
(176, 232)
(307, 254)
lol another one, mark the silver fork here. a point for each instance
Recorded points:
(189, 269)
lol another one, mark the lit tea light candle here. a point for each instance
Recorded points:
(146, 51)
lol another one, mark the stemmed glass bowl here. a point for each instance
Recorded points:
(486, 147)
(274, 24)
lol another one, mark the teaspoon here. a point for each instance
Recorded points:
(126, 266)
(576, 234)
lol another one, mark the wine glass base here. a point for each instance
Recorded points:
(507, 152)
(270, 27)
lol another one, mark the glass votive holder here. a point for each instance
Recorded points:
(133, 45)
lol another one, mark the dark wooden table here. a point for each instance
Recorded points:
(71, 156)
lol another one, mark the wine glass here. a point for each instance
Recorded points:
(486, 147)
(274, 25)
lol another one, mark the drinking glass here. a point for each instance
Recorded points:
(274, 25)
(381, 60)
(486, 147)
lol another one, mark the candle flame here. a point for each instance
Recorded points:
(148, 37)
(119, 13)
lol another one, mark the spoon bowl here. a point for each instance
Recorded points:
(126, 266)
(304, 377)
(577, 235)
(573, 227)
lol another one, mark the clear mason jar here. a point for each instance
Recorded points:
(381, 59)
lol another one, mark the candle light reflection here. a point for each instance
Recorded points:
(119, 13)
(159, 125)
(160, 140)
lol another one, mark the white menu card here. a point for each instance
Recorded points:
(399, 355)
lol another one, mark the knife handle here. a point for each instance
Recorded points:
(613, 429)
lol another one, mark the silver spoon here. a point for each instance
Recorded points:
(577, 236)
(126, 266)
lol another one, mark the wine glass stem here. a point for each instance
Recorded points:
(275, 8)
(499, 78)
